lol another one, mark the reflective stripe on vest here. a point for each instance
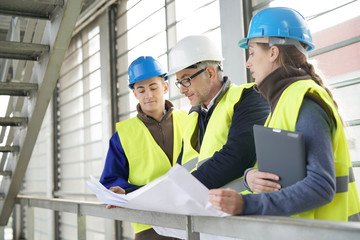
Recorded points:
(237, 185)
(342, 183)
(147, 161)
(355, 217)
(216, 132)
(191, 164)
(345, 205)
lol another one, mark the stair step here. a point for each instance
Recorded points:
(9, 149)
(23, 51)
(5, 173)
(17, 88)
(2, 196)
(33, 9)
(13, 121)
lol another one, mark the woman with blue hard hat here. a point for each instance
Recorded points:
(144, 147)
(278, 42)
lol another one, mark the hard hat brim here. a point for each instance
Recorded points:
(243, 43)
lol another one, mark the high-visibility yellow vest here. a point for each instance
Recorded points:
(147, 161)
(216, 132)
(345, 206)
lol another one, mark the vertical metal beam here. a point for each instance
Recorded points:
(22, 221)
(171, 40)
(16, 222)
(122, 43)
(190, 234)
(113, 65)
(170, 14)
(118, 230)
(232, 30)
(56, 164)
(247, 15)
(111, 88)
(107, 64)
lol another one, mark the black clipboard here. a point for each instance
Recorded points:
(280, 152)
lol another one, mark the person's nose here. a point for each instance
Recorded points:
(148, 94)
(183, 89)
(248, 64)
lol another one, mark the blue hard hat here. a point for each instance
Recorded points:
(144, 67)
(279, 22)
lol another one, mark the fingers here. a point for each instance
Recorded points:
(261, 181)
(117, 189)
(226, 200)
(111, 206)
(265, 175)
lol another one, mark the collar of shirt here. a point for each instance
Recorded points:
(164, 113)
(206, 109)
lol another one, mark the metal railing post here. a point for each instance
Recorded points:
(81, 230)
(190, 234)
(81, 224)
(30, 223)
(2, 232)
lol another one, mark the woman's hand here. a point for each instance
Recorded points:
(226, 200)
(261, 181)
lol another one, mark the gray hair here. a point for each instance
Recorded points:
(216, 64)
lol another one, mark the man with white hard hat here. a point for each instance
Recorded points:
(218, 143)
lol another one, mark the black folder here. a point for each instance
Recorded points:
(280, 152)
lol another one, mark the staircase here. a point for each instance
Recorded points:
(31, 55)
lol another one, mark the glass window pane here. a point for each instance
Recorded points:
(147, 29)
(200, 21)
(142, 10)
(317, 20)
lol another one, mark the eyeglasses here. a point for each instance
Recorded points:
(186, 82)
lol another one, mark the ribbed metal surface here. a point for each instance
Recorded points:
(29, 8)
(5, 173)
(24, 51)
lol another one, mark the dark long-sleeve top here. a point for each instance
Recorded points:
(318, 187)
(238, 153)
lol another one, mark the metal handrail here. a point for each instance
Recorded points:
(243, 227)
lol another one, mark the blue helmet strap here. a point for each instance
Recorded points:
(287, 41)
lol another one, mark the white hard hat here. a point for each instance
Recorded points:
(191, 50)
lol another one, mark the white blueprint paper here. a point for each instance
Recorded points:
(176, 192)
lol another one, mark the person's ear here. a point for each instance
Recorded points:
(166, 87)
(274, 53)
(135, 94)
(211, 72)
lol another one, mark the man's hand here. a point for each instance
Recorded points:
(118, 190)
